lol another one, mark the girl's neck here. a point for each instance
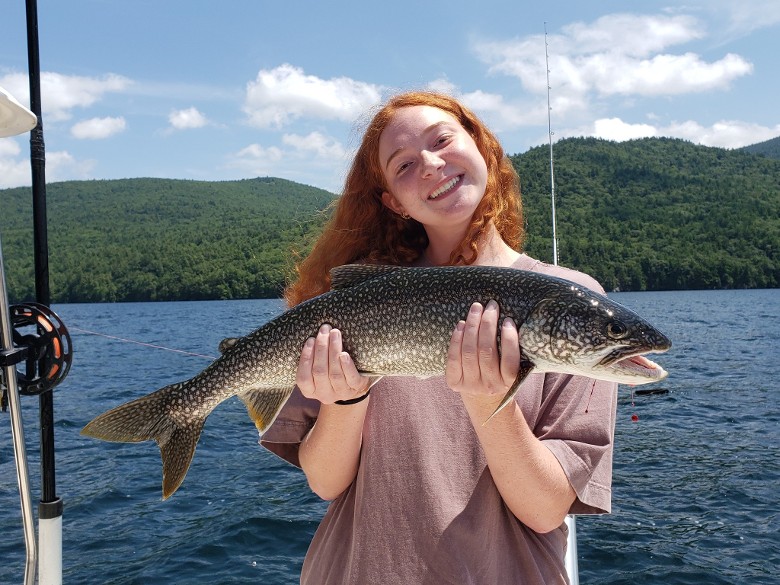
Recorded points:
(492, 250)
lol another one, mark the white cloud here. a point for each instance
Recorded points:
(745, 16)
(321, 146)
(13, 172)
(618, 130)
(314, 159)
(444, 86)
(98, 128)
(723, 134)
(185, 119)
(60, 166)
(60, 94)
(257, 160)
(620, 54)
(280, 95)
(501, 115)
(628, 34)
(667, 75)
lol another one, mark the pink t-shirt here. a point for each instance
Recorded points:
(423, 508)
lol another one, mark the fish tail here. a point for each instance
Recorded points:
(150, 418)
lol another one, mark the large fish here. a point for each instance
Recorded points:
(395, 321)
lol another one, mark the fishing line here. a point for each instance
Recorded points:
(152, 345)
(635, 416)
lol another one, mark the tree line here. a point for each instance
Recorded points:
(649, 214)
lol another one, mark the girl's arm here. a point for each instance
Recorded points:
(330, 452)
(528, 476)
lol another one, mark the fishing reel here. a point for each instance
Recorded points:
(42, 343)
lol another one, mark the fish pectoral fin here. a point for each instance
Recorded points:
(264, 404)
(526, 367)
(374, 380)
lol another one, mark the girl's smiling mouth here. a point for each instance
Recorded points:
(446, 187)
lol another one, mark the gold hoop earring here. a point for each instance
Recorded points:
(405, 215)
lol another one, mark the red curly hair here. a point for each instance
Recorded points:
(363, 229)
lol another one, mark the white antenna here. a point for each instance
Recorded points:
(550, 135)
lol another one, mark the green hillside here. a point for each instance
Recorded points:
(157, 239)
(770, 148)
(648, 214)
(657, 214)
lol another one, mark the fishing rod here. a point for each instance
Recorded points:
(33, 334)
(50, 506)
(549, 136)
(570, 560)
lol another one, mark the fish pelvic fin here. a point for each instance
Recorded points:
(149, 419)
(264, 405)
(526, 367)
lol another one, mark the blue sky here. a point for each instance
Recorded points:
(245, 88)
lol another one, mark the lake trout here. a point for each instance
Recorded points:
(395, 321)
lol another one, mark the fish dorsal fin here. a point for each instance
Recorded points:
(353, 274)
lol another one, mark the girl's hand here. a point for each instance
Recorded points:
(474, 366)
(326, 372)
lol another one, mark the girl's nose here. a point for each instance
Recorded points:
(430, 162)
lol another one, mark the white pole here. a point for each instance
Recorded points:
(572, 568)
(16, 119)
(17, 432)
(50, 540)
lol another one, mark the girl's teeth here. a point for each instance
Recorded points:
(444, 188)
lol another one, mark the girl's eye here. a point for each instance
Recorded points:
(403, 167)
(441, 139)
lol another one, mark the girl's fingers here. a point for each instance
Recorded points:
(303, 375)
(454, 372)
(470, 346)
(474, 363)
(510, 352)
(489, 367)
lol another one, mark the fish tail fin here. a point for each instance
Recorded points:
(525, 368)
(149, 419)
(177, 453)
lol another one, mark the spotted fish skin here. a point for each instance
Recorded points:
(395, 321)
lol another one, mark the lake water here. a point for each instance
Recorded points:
(695, 478)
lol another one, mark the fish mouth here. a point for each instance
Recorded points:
(635, 365)
(446, 187)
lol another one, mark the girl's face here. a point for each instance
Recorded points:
(432, 168)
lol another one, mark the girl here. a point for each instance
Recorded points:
(421, 490)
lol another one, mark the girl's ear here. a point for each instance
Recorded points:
(392, 203)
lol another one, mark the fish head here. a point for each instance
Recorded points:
(580, 332)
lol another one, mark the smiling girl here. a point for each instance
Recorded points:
(421, 490)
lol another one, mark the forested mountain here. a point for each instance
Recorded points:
(641, 215)
(654, 214)
(770, 148)
(158, 239)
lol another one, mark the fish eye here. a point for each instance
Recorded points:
(616, 329)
